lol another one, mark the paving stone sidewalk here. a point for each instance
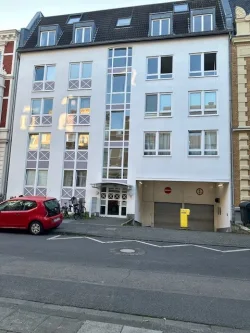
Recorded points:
(109, 229)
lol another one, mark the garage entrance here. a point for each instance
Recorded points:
(167, 215)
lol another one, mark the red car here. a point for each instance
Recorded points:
(35, 214)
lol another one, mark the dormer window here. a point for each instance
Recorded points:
(74, 19)
(160, 24)
(123, 22)
(203, 23)
(83, 35)
(203, 20)
(48, 35)
(47, 38)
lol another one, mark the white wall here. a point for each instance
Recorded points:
(177, 167)
(180, 166)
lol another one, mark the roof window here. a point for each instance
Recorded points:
(74, 19)
(181, 8)
(123, 22)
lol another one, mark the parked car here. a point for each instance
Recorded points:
(33, 213)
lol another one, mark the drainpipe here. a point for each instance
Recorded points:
(11, 124)
(231, 132)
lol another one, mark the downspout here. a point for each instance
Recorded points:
(231, 131)
(11, 124)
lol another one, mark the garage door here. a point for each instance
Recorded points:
(167, 215)
(201, 217)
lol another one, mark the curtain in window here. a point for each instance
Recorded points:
(42, 178)
(68, 178)
(45, 141)
(195, 140)
(72, 106)
(70, 140)
(150, 141)
(81, 178)
(33, 141)
(30, 177)
(164, 141)
(211, 140)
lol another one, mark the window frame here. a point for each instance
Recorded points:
(202, 22)
(83, 34)
(158, 113)
(158, 74)
(41, 114)
(78, 109)
(157, 150)
(202, 110)
(202, 72)
(160, 26)
(80, 78)
(74, 17)
(129, 18)
(202, 147)
(44, 80)
(48, 32)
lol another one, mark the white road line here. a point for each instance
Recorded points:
(52, 238)
(58, 237)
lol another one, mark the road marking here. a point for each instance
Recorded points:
(58, 237)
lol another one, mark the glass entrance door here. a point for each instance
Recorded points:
(113, 201)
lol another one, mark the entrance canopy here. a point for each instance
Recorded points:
(113, 184)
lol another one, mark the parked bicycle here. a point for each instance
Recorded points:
(79, 208)
(66, 210)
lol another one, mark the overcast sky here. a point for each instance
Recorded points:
(16, 14)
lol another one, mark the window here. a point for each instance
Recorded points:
(181, 8)
(202, 23)
(83, 141)
(157, 144)
(123, 22)
(158, 105)
(42, 178)
(203, 143)
(117, 120)
(81, 176)
(28, 205)
(78, 111)
(80, 75)
(70, 141)
(160, 27)
(203, 64)
(202, 103)
(83, 35)
(74, 19)
(160, 67)
(12, 206)
(44, 78)
(43, 138)
(68, 178)
(41, 111)
(119, 83)
(48, 38)
(30, 177)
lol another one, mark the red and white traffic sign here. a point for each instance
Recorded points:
(167, 190)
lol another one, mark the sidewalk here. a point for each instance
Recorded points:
(110, 229)
(18, 316)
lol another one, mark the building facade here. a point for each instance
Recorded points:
(8, 79)
(128, 108)
(240, 55)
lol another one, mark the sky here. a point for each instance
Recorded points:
(16, 14)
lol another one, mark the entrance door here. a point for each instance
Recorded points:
(113, 201)
(113, 207)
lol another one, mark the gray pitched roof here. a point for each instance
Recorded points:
(107, 32)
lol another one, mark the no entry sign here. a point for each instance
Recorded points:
(167, 190)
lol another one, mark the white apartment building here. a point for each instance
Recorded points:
(128, 108)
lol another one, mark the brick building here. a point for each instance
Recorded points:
(8, 70)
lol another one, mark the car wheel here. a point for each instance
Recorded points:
(36, 228)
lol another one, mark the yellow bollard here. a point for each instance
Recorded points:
(184, 213)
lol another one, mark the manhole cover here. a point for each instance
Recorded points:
(128, 251)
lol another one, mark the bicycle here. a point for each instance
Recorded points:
(79, 212)
(65, 210)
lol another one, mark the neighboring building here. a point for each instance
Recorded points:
(130, 109)
(8, 79)
(241, 102)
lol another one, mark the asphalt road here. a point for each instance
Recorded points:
(180, 283)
